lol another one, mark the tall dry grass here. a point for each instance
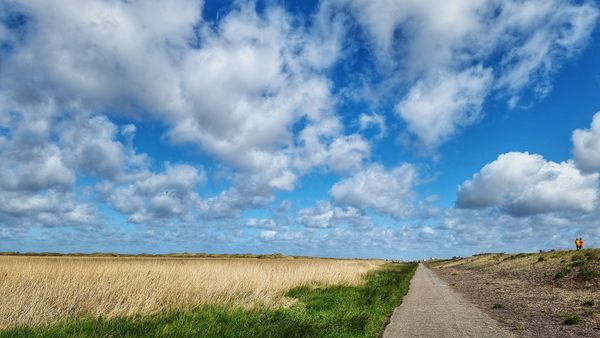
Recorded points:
(45, 289)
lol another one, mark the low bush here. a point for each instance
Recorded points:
(586, 273)
(571, 320)
(577, 263)
(592, 256)
(589, 302)
(562, 273)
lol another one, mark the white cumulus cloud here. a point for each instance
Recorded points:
(385, 191)
(586, 146)
(324, 215)
(524, 184)
(150, 197)
(436, 107)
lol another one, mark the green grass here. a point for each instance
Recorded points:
(497, 306)
(339, 311)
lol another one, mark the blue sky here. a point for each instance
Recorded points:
(345, 128)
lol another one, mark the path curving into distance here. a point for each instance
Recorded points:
(432, 309)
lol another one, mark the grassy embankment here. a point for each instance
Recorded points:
(327, 311)
(534, 291)
(565, 269)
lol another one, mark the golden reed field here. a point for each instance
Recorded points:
(45, 289)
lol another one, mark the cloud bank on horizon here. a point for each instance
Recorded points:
(333, 128)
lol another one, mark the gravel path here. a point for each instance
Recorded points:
(432, 309)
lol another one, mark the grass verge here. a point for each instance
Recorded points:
(338, 311)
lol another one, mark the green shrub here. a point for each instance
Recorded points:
(519, 255)
(589, 302)
(571, 320)
(497, 306)
(541, 259)
(591, 256)
(588, 274)
(562, 273)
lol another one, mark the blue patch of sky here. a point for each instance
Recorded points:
(214, 11)
(113, 217)
(150, 138)
(15, 21)
(257, 213)
(86, 181)
(311, 188)
(5, 132)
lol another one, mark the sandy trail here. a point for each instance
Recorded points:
(432, 309)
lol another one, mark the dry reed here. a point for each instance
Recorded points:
(45, 289)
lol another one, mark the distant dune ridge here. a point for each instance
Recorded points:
(45, 289)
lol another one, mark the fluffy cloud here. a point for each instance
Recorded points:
(156, 197)
(92, 145)
(546, 33)
(44, 156)
(47, 208)
(438, 105)
(37, 180)
(32, 161)
(235, 88)
(37, 168)
(246, 192)
(586, 146)
(367, 122)
(253, 87)
(324, 215)
(348, 152)
(91, 53)
(322, 145)
(433, 48)
(386, 191)
(283, 236)
(524, 184)
(261, 223)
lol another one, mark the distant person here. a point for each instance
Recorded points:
(580, 243)
(577, 242)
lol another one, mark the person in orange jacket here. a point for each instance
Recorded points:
(577, 243)
(580, 243)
